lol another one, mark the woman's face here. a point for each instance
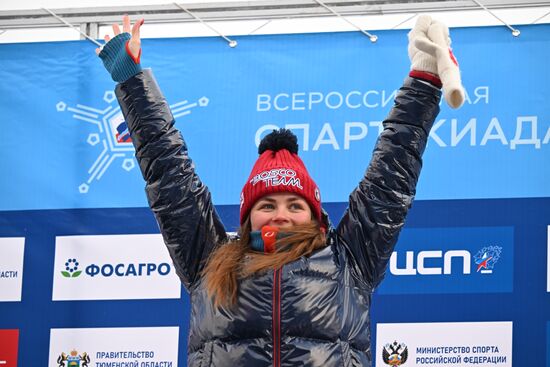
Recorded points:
(279, 210)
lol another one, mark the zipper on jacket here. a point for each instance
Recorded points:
(277, 317)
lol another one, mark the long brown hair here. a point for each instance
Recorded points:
(235, 260)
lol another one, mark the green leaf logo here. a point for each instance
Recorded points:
(71, 269)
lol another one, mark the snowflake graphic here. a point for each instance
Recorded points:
(112, 136)
(486, 258)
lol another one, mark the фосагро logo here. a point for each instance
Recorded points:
(71, 269)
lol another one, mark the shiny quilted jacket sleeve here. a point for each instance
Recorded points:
(180, 202)
(378, 206)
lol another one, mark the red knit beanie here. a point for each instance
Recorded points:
(279, 170)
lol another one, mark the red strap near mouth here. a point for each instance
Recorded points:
(269, 236)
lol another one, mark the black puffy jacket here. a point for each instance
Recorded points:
(313, 311)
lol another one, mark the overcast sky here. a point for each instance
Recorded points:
(388, 21)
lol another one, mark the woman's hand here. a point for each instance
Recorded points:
(121, 54)
(430, 52)
(134, 45)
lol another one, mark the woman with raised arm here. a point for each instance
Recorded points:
(291, 289)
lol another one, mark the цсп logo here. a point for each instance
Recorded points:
(113, 136)
(438, 262)
(486, 259)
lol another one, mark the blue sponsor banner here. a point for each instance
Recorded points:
(528, 306)
(65, 144)
(451, 260)
(548, 344)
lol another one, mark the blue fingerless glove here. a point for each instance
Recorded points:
(117, 60)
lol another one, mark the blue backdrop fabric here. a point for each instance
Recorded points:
(57, 108)
(69, 169)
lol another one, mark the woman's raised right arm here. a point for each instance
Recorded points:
(180, 202)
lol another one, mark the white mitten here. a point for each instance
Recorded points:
(437, 44)
(421, 61)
